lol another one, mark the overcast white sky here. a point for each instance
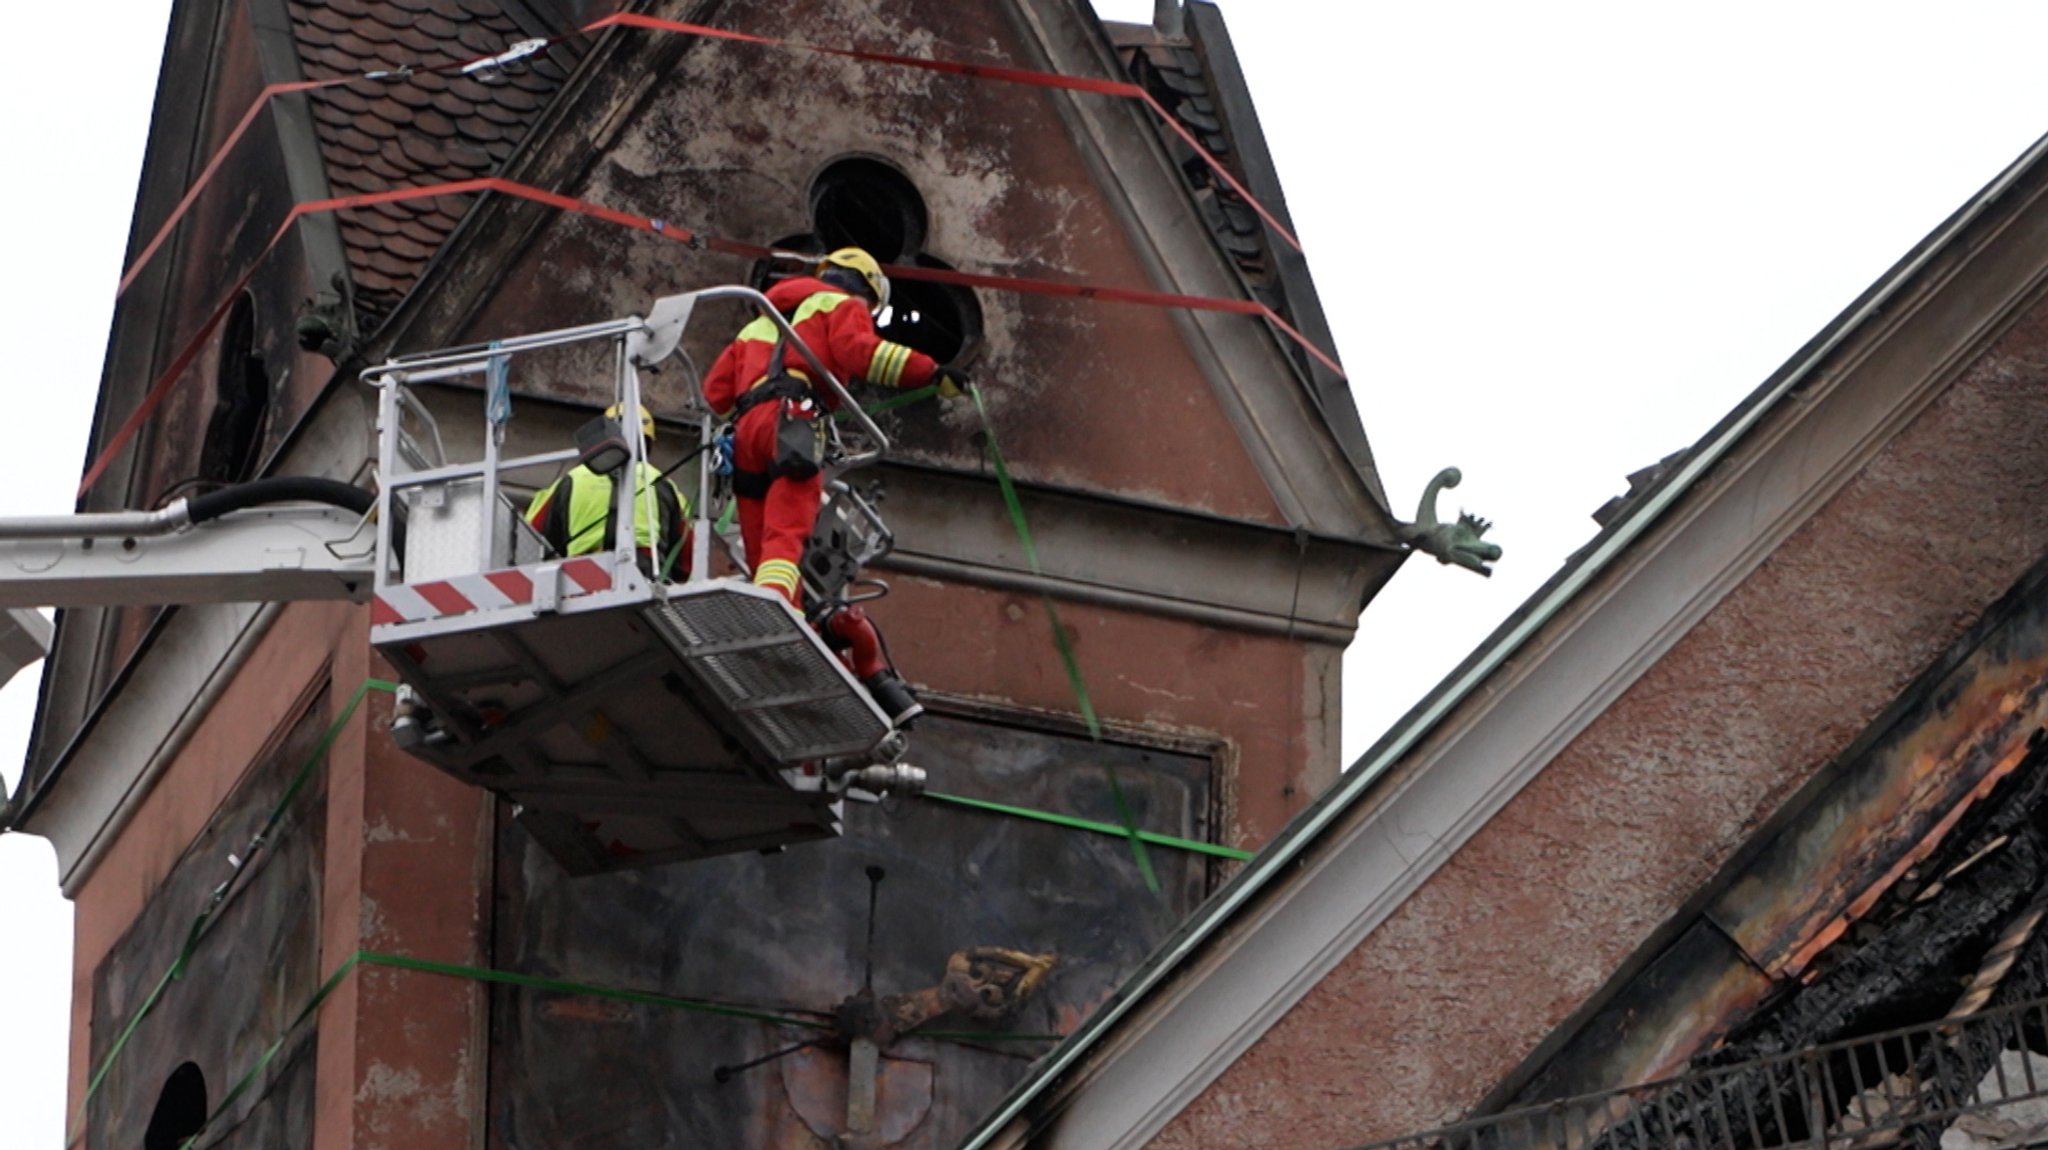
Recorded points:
(1555, 241)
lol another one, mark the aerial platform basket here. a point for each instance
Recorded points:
(632, 721)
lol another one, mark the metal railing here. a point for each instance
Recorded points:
(1899, 1088)
(404, 466)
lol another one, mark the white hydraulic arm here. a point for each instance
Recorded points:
(263, 553)
(274, 554)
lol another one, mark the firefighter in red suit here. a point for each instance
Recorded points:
(833, 311)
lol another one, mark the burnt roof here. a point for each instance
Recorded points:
(415, 130)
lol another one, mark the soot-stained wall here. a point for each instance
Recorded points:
(1104, 397)
(246, 980)
(785, 934)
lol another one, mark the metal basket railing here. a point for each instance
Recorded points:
(406, 469)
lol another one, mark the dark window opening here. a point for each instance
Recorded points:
(180, 1110)
(241, 399)
(867, 204)
(940, 320)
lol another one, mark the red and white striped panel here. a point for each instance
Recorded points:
(441, 598)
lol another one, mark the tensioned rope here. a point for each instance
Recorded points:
(190, 350)
(528, 48)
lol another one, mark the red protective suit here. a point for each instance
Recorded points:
(838, 329)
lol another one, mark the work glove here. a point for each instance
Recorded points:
(953, 383)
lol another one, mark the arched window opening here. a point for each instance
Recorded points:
(865, 203)
(940, 320)
(180, 1110)
(241, 399)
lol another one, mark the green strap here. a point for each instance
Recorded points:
(904, 399)
(364, 958)
(1059, 638)
(218, 898)
(255, 1072)
(587, 990)
(1072, 822)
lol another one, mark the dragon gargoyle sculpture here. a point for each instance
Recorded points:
(1459, 542)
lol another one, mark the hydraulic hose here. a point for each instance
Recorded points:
(290, 489)
(282, 489)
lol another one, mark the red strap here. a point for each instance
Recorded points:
(262, 100)
(1120, 295)
(1120, 89)
(190, 351)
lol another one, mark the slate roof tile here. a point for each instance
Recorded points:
(428, 122)
(429, 22)
(378, 123)
(481, 39)
(1175, 77)
(355, 48)
(450, 103)
(327, 18)
(410, 96)
(479, 129)
(413, 228)
(375, 222)
(429, 127)
(502, 115)
(355, 141)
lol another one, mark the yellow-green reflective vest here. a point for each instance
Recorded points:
(574, 513)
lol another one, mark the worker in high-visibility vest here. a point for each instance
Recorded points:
(577, 514)
(774, 408)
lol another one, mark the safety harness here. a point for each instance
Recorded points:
(799, 439)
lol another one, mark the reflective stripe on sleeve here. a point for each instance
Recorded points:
(886, 366)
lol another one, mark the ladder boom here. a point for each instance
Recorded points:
(274, 554)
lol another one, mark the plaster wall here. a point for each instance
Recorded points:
(1514, 933)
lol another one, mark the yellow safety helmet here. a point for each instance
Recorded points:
(618, 410)
(858, 260)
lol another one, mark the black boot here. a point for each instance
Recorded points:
(894, 696)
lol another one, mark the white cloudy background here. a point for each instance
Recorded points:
(1555, 242)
